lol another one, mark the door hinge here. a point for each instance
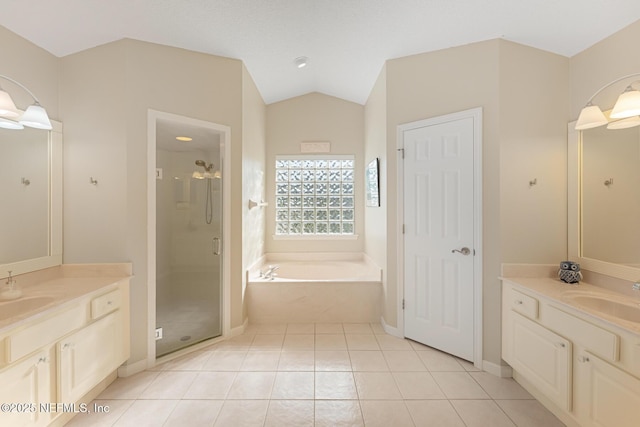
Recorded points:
(402, 228)
(403, 303)
(402, 150)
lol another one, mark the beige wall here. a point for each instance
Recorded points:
(375, 145)
(253, 173)
(487, 75)
(107, 93)
(315, 117)
(533, 146)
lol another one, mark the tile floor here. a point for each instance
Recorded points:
(317, 374)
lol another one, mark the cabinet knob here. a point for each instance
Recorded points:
(518, 302)
(562, 345)
(43, 360)
(109, 302)
(67, 345)
(583, 359)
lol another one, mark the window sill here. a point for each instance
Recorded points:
(316, 237)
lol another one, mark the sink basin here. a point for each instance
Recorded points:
(609, 306)
(20, 306)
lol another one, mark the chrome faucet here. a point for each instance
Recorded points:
(269, 273)
(636, 286)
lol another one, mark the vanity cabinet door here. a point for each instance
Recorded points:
(605, 395)
(24, 386)
(86, 357)
(542, 357)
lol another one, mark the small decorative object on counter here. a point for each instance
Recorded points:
(570, 272)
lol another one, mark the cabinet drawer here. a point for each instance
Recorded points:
(106, 303)
(524, 304)
(597, 340)
(45, 332)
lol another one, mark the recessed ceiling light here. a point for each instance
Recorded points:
(301, 61)
(184, 138)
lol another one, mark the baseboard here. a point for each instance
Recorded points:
(390, 329)
(239, 330)
(132, 369)
(502, 371)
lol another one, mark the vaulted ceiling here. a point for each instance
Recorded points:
(346, 41)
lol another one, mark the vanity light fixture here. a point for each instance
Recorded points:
(627, 106)
(629, 122)
(184, 138)
(34, 116)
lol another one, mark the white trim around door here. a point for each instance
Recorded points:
(476, 115)
(225, 139)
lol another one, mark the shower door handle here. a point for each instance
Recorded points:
(216, 246)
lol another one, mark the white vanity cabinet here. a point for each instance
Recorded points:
(61, 355)
(87, 356)
(605, 395)
(582, 368)
(24, 387)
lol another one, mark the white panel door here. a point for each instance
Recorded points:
(439, 236)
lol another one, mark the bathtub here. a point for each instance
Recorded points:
(315, 288)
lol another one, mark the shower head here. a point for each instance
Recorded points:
(207, 167)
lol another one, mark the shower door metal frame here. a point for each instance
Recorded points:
(225, 140)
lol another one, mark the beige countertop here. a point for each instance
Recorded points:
(560, 293)
(64, 285)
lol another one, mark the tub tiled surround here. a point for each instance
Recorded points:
(322, 374)
(350, 292)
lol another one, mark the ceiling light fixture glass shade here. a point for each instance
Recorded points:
(35, 116)
(629, 122)
(591, 116)
(7, 106)
(10, 124)
(627, 105)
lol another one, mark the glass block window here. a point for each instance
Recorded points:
(315, 195)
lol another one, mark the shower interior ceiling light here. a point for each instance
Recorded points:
(301, 61)
(184, 138)
(627, 106)
(35, 115)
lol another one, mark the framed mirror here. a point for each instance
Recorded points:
(31, 185)
(604, 200)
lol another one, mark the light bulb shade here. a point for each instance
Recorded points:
(627, 105)
(10, 124)
(7, 106)
(36, 117)
(629, 122)
(591, 116)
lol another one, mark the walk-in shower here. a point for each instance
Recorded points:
(188, 236)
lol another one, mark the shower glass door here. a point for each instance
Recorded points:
(188, 236)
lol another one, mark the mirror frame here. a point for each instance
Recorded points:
(574, 210)
(54, 258)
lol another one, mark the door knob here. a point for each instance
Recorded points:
(463, 251)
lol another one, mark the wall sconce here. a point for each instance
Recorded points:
(624, 111)
(34, 116)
